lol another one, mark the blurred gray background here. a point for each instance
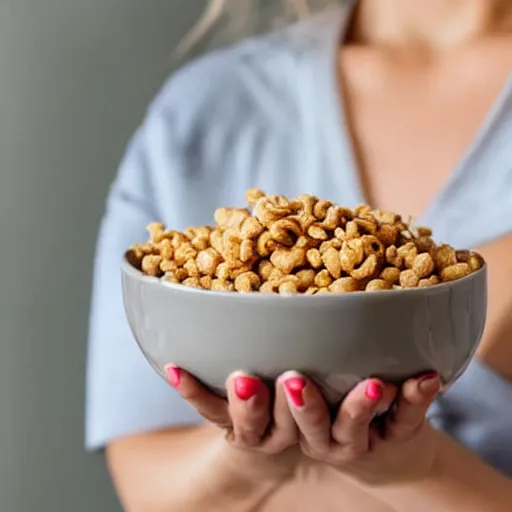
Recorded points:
(75, 78)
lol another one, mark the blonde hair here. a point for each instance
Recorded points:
(227, 21)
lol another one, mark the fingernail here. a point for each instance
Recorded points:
(174, 375)
(246, 387)
(374, 390)
(294, 387)
(429, 383)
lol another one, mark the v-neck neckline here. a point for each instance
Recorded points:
(334, 120)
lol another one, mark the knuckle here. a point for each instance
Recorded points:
(247, 439)
(248, 434)
(315, 452)
(315, 423)
(352, 453)
(402, 431)
(275, 447)
(357, 414)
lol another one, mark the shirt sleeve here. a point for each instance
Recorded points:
(476, 411)
(124, 394)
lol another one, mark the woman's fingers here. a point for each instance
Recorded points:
(249, 408)
(348, 437)
(309, 411)
(250, 416)
(352, 424)
(411, 407)
(209, 406)
(283, 431)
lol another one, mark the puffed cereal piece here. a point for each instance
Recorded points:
(372, 245)
(320, 209)
(269, 287)
(474, 260)
(207, 261)
(317, 232)
(344, 285)
(265, 244)
(445, 256)
(247, 251)
(306, 278)
(151, 265)
(431, 281)
(409, 279)
(223, 272)
(377, 285)
(453, 272)
(251, 228)
(331, 261)
(252, 195)
(191, 268)
(333, 242)
(314, 258)
(285, 231)
(408, 252)
(183, 253)
(287, 260)
(388, 234)
(351, 230)
(216, 240)
(393, 257)
(220, 285)
(156, 231)
(265, 269)
(247, 282)
(366, 226)
(368, 269)
(323, 279)
(226, 218)
(423, 265)
(332, 218)
(390, 275)
(168, 266)
(288, 288)
(192, 281)
(268, 210)
(206, 282)
(339, 233)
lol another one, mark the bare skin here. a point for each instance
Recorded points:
(417, 71)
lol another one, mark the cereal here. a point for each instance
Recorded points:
(345, 285)
(377, 285)
(306, 246)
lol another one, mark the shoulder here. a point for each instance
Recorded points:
(253, 74)
(257, 77)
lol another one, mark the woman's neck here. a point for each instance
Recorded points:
(428, 24)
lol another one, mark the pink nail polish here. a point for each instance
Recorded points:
(429, 383)
(246, 387)
(428, 376)
(374, 390)
(294, 387)
(174, 375)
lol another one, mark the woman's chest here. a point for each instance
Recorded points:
(422, 135)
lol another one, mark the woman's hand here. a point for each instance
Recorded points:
(396, 447)
(253, 422)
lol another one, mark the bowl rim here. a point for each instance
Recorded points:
(128, 268)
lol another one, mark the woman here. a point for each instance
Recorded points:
(404, 105)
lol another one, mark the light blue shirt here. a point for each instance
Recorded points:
(266, 113)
